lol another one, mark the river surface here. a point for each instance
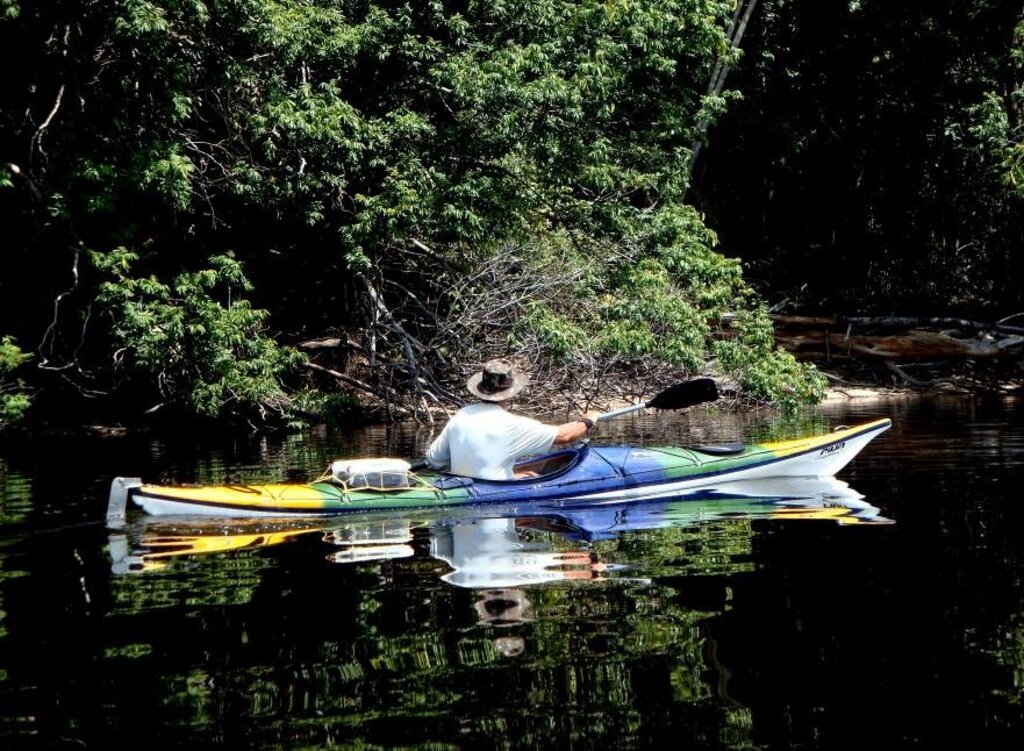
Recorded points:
(892, 617)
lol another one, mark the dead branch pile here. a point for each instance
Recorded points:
(416, 350)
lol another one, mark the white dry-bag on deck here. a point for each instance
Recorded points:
(374, 474)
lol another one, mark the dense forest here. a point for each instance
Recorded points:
(868, 172)
(271, 212)
(872, 164)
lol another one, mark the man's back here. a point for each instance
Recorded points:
(484, 441)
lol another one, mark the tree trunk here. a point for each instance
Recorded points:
(740, 19)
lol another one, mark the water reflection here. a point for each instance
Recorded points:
(754, 632)
(498, 547)
(156, 540)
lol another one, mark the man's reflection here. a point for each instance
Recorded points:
(491, 556)
(489, 553)
(502, 608)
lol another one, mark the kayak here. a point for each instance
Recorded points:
(605, 473)
(482, 542)
(610, 474)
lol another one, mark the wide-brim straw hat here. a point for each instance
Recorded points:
(499, 380)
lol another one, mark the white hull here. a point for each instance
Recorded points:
(821, 461)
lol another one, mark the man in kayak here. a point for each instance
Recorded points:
(483, 440)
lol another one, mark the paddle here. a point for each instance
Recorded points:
(678, 396)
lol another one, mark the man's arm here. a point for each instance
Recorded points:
(438, 455)
(572, 431)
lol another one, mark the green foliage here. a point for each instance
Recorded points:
(656, 318)
(764, 370)
(671, 298)
(649, 315)
(169, 173)
(996, 125)
(321, 138)
(562, 336)
(205, 348)
(14, 399)
(656, 296)
(398, 121)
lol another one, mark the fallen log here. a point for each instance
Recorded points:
(899, 322)
(915, 344)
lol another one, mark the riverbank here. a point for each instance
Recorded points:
(549, 405)
(847, 393)
(861, 393)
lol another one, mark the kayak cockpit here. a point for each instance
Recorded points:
(549, 466)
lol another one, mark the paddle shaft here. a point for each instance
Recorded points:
(619, 412)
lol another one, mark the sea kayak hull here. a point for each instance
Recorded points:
(599, 474)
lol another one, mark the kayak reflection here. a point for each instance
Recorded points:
(149, 544)
(496, 547)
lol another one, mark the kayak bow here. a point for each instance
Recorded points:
(610, 474)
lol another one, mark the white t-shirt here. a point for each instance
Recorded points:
(484, 441)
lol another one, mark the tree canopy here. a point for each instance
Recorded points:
(229, 208)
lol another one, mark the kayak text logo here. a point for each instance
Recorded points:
(832, 449)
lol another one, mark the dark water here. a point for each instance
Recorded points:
(687, 626)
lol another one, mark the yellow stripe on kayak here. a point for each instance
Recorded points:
(298, 497)
(800, 445)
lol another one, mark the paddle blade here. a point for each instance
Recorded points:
(685, 394)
